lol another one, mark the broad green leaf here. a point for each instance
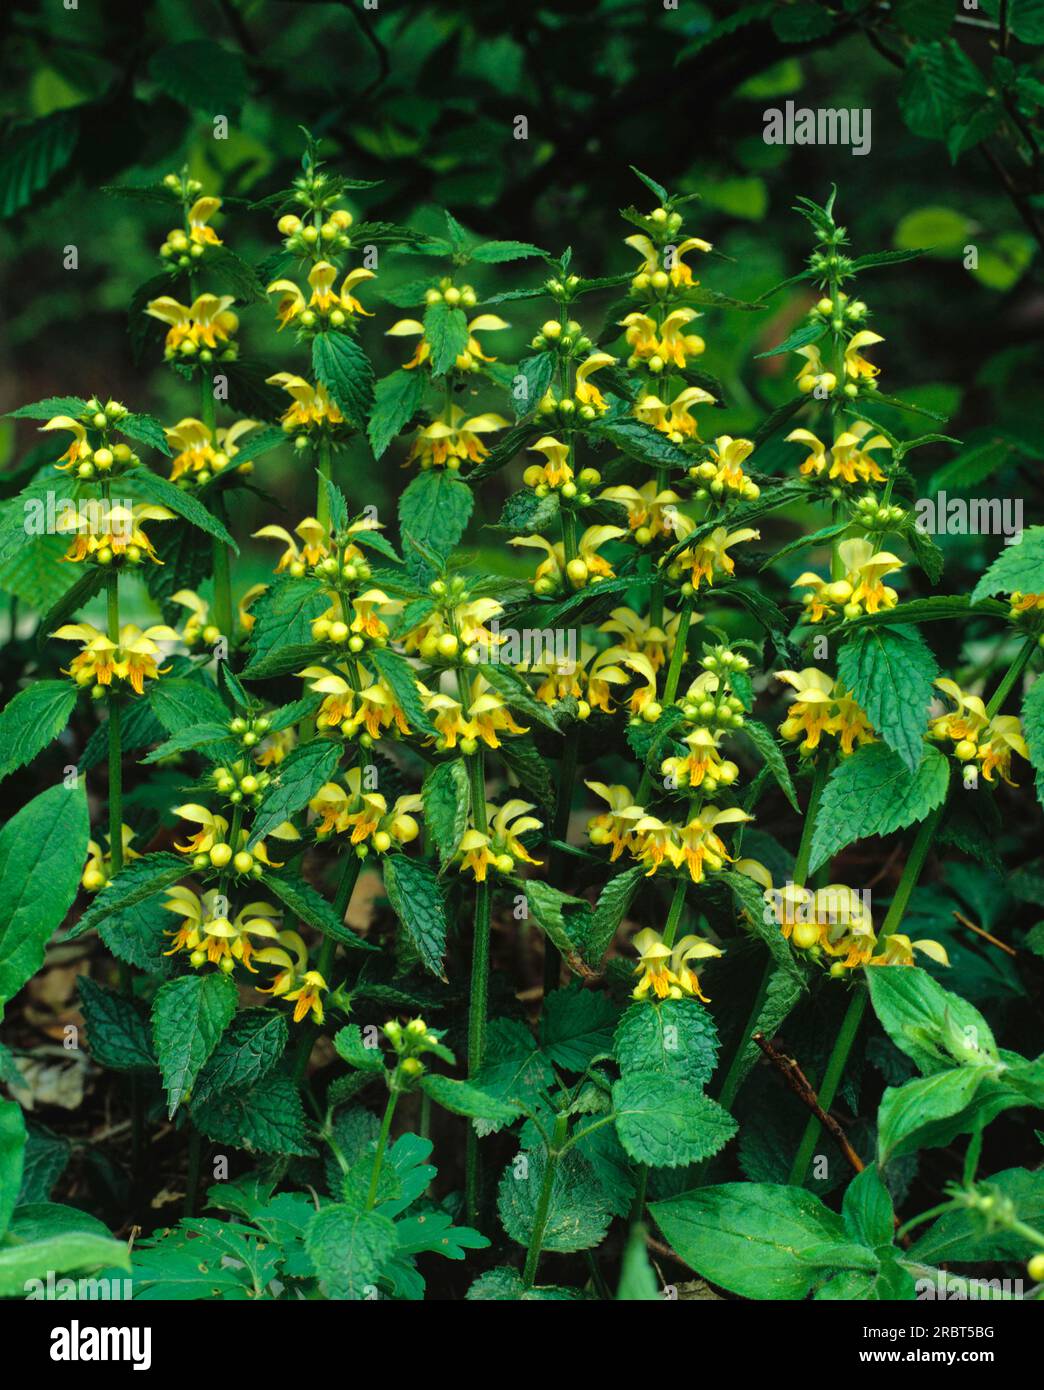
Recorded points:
(536, 373)
(613, 902)
(934, 1027)
(890, 671)
(294, 781)
(201, 74)
(344, 369)
(32, 720)
(350, 1249)
(565, 920)
(1019, 567)
(182, 703)
(504, 1285)
(964, 1236)
(447, 805)
(283, 618)
(867, 1209)
(578, 1215)
(397, 399)
(189, 1015)
(46, 1238)
(1033, 730)
(801, 337)
(42, 852)
(873, 793)
(496, 252)
(530, 770)
(211, 741)
(665, 1122)
(140, 879)
(152, 488)
(464, 1098)
(352, 1049)
(249, 1049)
(12, 1158)
(749, 1237)
(416, 896)
(640, 441)
(576, 1025)
(434, 510)
(117, 1030)
(676, 1038)
(32, 153)
(514, 1068)
(909, 1113)
(939, 87)
(446, 332)
(267, 1117)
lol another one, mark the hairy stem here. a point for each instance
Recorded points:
(382, 1144)
(536, 1240)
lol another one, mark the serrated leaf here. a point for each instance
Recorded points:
(267, 1118)
(350, 1249)
(249, 1049)
(397, 399)
(183, 703)
(283, 617)
(565, 920)
(294, 782)
(211, 740)
(1019, 567)
(764, 741)
(447, 804)
(189, 1016)
(144, 429)
(434, 510)
(344, 369)
(578, 1214)
(117, 1031)
(308, 904)
(398, 675)
(891, 673)
(676, 1038)
(446, 333)
(32, 720)
(640, 441)
(662, 1121)
(140, 879)
(1033, 729)
(464, 1098)
(153, 488)
(873, 793)
(31, 155)
(416, 896)
(517, 693)
(522, 759)
(936, 1028)
(576, 1026)
(802, 336)
(496, 252)
(613, 901)
(42, 850)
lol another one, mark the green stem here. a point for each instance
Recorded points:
(382, 1142)
(222, 574)
(804, 854)
(322, 500)
(544, 1201)
(670, 689)
(479, 999)
(857, 1005)
(1012, 675)
(675, 911)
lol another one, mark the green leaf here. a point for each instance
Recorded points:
(514, 1068)
(537, 372)
(1033, 730)
(352, 1049)
(749, 1237)
(249, 1049)
(416, 896)
(117, 1031)
(144, 429)
(965, 1236)
(938, 608)
(446, 332)
(32, 720)
(201, 74)
(924, 19)
(447, 805)
(140, 879)
(640, 441)
(463, 1098)
(867, 1209)
(42, 851)
(531, 771)
(638, 1280)
(1018, 567)
(183, 703)
(398, 674)
(764, 741)
(802, 22)
(939, 87)
(350, 1250)
(505, 1285)
(397, 399)
(266, 1118)
(873, 793)
(662, 1121)
(576, 1026)
(516, 691)
(496, 252)
(613, 901)
(294, 782)
(152, 488)
(45, 1238)
(507, 446)
(211, 740)
(803, 335)
(304, 902)
(189, 1015)
(434, 510)
(909, 1113)
(12, 1158)
(283, 619)
(564, 919)
(30, 157)
(578, 1214)
(47, 408)
(676, 1038)
(934, 1027)
(344, 369)
(891, 672)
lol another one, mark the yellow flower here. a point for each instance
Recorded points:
(813, 373)
(654, 841)
(1002, 738)
(79, 449)
(246, 618)
(709, 558)
(339, 704)
(499, 846)
(850, 457)
(899, 950)
(674, 420)
(307, 997)
(653, 966)
(702, 763)
(680, 273)
(466, 361)
(811, 714)
(584, 391)
(675, 346)
(615, 827)
(98, 869)
(556, 470)
(108, 531)
(650, 511)
(314, 546)
(209, 936)
(198, 451)
(448, 441)
(488, 715)
(729, 455)
(856, 366)
(198, 627)
(311, 404)
(865, 569)
(966, 722)
(700, 845)
(205, 323)
(377, 710)
(200, 213)
(638, 634)
(133, 659)
(587, 565)
(691, 948)
(324, 300)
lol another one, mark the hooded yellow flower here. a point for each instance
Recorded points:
(207, 322)
(324, 300)
(454, 439)
(813, 374)
(584, 391)
(108, 531)
(856, 366)
(133, 659)
(197, 451)
(849, 458)
(556, 470)
(499, 846)
(675, 420)
(709, 558)
(615, 827)
(311, 404)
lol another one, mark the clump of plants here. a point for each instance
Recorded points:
(609, 793)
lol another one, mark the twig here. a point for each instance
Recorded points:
(802, 1088)
(1001, 945)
